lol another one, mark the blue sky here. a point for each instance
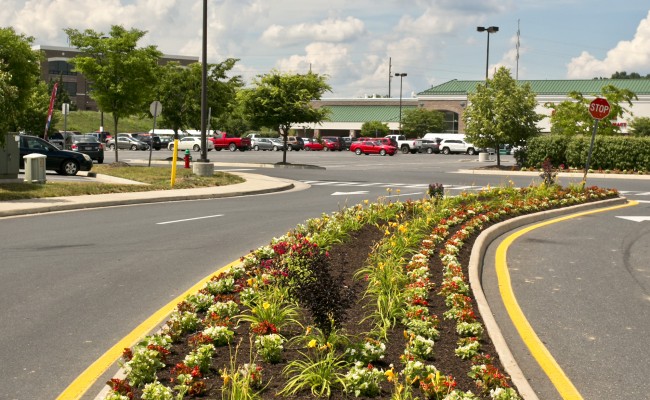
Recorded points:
(351, 42)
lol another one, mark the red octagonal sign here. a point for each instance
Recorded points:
(599, 108)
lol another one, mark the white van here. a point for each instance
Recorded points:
(441, 136)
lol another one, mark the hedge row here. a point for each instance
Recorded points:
(609, 153)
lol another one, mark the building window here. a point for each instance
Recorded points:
(451, 121)
(70, 88)
(60, 68)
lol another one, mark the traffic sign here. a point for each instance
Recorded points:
(155, 108)
(599, 108)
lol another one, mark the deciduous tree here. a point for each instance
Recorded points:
(417, 122)
(123, 75)
(571, 117)
(281, 100)
(640, 126)
(19, 74)
(374, 129)
(500, 112)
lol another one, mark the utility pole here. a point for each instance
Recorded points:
(390, 74)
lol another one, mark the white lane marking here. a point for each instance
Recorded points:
(346, 193)
(188, 219)
(635, 219)
(403, 194)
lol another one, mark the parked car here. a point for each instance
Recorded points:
(428, 146)
(373, 147)
(295, 143)
(64, 162)
(261, 143)
(126, 143)
(191, 143)
(333, 143)
(347, 142)
(312, 144)
(278, 144)
(101, 136)
(385, 140)
(148, 139)
(448, 146)
(88, 144)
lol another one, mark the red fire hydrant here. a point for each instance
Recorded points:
(187, 158)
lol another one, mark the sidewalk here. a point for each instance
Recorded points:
(254, 184)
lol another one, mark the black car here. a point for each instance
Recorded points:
(146, 137)
(64, 162)
(88, 144)
(428, 146)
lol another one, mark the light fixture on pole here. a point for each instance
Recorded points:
(401, 76)
(490, 29)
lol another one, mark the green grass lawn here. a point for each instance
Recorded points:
(89, 121)
(154, 177)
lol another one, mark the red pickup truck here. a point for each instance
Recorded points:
(222, 140)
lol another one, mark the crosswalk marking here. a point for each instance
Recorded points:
(389, 185)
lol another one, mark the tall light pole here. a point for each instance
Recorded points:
(204, 80)
(490, 29)
(401, 76)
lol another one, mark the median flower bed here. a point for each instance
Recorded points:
(372, 301)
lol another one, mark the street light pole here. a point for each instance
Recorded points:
(490, 29)
(401, 76)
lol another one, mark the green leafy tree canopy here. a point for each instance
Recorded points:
(374, 129)
(179, 91)
(571, 117)
(501, 112)
(640, 126)
(19, 74)
(282, 100)
(123, 76)
(417, 122)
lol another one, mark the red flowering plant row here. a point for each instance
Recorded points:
(277, 285)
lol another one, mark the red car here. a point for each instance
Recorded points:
(372, 147)
(312, 145)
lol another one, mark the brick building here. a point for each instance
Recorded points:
(56, 64)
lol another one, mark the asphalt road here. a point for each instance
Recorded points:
(72, 284)
(584, 286)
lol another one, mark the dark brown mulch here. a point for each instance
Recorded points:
(345, 260)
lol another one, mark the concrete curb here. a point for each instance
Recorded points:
(476, 269)
(254, 185)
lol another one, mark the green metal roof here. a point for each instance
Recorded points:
(354, 113)
(547, 87)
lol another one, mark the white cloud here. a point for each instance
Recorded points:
(629, 55)
(329, 30)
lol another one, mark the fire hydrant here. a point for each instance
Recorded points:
(187, 158)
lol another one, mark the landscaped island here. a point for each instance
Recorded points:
(372, 301)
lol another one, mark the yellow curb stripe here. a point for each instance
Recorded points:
(541, 354)
(87, 378)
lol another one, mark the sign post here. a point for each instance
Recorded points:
(155, 108)
(599, 108)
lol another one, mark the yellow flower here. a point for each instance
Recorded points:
(266, 305)
(312, 343)
(250, 282)
(398, 191)
(390, 375)
(308, 330)
(365, 202)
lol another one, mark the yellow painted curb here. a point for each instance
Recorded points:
(541, 354)
(87, 378)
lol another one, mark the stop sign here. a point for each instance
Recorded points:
(599, 108)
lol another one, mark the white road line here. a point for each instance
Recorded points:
(188, 219)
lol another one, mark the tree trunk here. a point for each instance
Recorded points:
(115, 119)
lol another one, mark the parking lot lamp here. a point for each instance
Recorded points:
(401, 76)
(490, 29)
